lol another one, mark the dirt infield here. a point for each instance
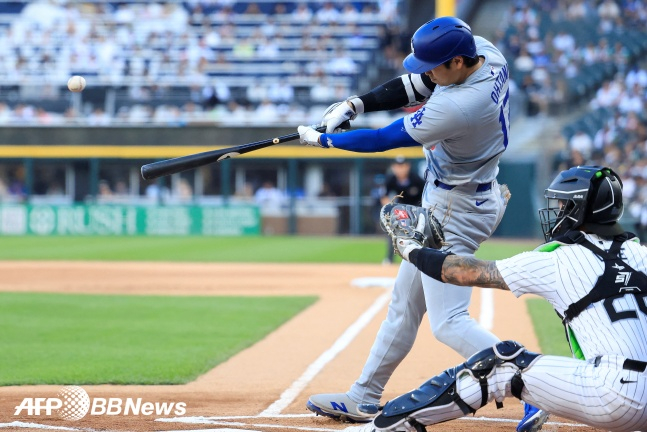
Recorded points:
(265, 387)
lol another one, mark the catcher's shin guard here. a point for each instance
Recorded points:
(438, 399)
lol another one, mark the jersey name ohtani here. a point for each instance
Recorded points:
(501, 79)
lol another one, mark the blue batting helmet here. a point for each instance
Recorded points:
(437, 41)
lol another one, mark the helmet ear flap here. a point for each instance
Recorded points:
(604, 201)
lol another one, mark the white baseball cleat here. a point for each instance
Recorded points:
(339, 406)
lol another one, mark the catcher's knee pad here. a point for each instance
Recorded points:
(481, 365)
(441, 390)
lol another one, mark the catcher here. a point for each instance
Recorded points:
(595, 276)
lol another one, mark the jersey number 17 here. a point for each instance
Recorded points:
(505, 122)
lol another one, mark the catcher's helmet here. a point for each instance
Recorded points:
(584, 195)
(437, 41)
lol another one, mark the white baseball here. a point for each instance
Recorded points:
(76, 83)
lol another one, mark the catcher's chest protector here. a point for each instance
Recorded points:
(618, 279)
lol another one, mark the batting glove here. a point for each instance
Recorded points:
(337, 116)
(309, 136)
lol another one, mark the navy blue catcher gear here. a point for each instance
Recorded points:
(583, 195)
(437, 41)
(440, 392)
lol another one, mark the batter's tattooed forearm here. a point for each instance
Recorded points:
(469, 271)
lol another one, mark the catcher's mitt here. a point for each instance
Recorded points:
(411, 227)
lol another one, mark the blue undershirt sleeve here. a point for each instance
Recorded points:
(370, 140)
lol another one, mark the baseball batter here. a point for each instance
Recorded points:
(464, 129)
(595, 276)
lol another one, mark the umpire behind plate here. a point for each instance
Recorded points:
(590, 270)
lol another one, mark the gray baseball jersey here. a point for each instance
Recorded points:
(464, 128)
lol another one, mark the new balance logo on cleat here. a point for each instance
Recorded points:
(338, 407)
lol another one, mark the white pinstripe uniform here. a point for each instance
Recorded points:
(597, 391)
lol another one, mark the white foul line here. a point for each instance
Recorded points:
(227, 421)
(486, 317)
(288, 396)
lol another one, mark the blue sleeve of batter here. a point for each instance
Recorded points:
(370, 140)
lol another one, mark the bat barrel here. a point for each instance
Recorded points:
(172, 166)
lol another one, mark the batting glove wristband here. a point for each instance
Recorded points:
(337, 116)
(310, 137)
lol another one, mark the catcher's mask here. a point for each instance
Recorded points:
(583, 195)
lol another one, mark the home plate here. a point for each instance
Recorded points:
(369, 282)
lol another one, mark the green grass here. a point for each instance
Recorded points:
(548, 328)
(196, 249)
(92, 339)
(284, 249)
(95, 339)
(495, 249)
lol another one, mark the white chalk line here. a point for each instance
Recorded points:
(19, 424)
(288, 396)
(223, 420)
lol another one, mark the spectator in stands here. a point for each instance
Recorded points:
(636, 75)
(606, 96)
(524, 62)
(252, 9)
(608, 10)
(268, 196)
(105, 192)
(631, 100)
(349, 14)
(577, 9)
(564, 42)
(268, 49)
(327, 14)
(98, 117)
(244, 49)
(280, 92)
(341, 63)
(583, 143)
(302, 13)
(266, 112)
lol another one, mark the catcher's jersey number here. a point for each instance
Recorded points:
(615, 315)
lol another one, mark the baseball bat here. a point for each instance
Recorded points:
(171, 166)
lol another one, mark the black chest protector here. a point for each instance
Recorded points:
(618, 279)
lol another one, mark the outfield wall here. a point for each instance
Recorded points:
(326, 191)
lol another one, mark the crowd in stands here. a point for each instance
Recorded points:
(565, 52)
(561, 50)
(194, 61)
(614, 133)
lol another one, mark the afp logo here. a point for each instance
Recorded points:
(72, 403)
